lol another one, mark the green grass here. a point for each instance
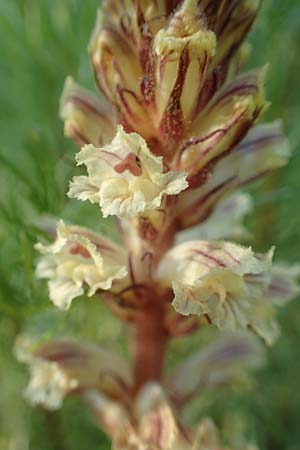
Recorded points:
(41, 42)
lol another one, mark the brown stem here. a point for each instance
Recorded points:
(150, 345)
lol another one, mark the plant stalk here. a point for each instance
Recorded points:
(150, 345)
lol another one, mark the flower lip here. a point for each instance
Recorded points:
(79, 258)
(124, 177)
(222, 281)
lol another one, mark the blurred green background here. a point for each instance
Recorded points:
(41, 42)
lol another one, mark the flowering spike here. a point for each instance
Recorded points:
(169, 148)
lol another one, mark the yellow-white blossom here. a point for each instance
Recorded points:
(224, 282)
(48, 385)
(124, 177)
(60, 367)
(79, 258)
(163, 152)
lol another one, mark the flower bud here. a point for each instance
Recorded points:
(88, 119)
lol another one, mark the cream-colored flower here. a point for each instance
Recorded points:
(224, 282)
(48, 385)
(125, 178)
(60, 367)
(79, 258)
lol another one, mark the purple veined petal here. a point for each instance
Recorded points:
(86, 115)
(263, 150)
(88, 119)
(63, 367)
(157, 424)
(78, 260)
(231, 21)
(114, 60)
(225, 221)
(195, 206)
(224, 122)
(232, 25)
(212, 280)
(133, 113)
(284, 284)
(108, 414)
(219, 363)
(183, 51)
(91, 365)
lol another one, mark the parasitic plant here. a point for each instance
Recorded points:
(165, 148)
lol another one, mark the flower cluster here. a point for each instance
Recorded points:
(165, 148)
(147, 420)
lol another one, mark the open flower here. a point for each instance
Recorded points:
(124, 177)
(48, 385)
(61, 367)
(79, 258)
(224, 282)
